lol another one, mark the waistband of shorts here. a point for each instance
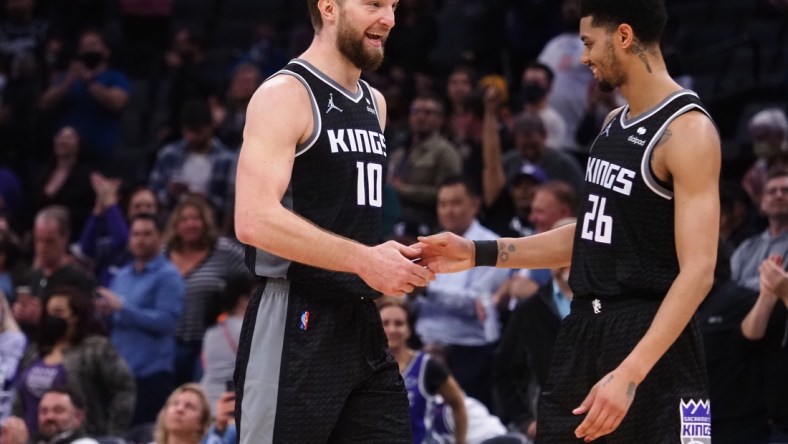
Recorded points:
(275, 285)
(601, 307)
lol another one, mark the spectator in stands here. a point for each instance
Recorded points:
(230, 116)
(69, 352)
(9, 256)
(186, 418)
(14, 431)
(456, 312)
(105, 236)
(61, 416)
(523, 357)
(66, 180)
(737, 216)
(767, 322)
(537, 82)
(90, 96)
(769, 132)
(52, 266)
(204, 260)
(530, 138)
(198, 163)
(425, 378)
(191, 78)
(265, 53)
(146, 300)
(572, 78)
(220, 346)
(423, 163)
(12, 204)
(522, 186)
(12, 346)
(22, 35)
(598, 105)
(458, 87)
(747, 258)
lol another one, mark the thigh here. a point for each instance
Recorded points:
(377, 410)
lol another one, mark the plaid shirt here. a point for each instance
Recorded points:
(170, 161)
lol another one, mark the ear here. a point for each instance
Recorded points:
(624, 36)
(328, 8)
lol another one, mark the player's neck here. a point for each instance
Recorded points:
(324, 55)
(647, 85)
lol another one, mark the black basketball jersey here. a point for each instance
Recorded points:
(624, 242)
(337, 180)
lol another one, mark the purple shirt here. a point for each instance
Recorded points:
(33, 383)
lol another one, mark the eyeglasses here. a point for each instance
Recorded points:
(775, 190)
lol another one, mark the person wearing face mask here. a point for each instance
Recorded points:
(68, 353)
(90, 96)
(537, 81)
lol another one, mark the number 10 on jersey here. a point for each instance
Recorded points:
(597, 226)
(370, 184)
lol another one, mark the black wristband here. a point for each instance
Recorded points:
(486, 253)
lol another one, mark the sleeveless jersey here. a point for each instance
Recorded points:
(419, 401)
(337, 181)
(624, 242)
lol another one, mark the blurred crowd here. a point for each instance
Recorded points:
(123, 288)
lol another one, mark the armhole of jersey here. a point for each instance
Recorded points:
(317, 122)
(374, 102)
(657, 185)
(423, 376)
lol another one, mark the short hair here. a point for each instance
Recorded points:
(314, 13)
(57, 214)
(160, 431)
(196, 114)
(148, 217)
(527, 122)
(544, 68)
(776, 173)
(72, 394)
(562, 191)
(461, 180)
(646, 17)
(431, 97)
(772, 119)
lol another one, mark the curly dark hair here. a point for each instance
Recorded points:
(646, 17)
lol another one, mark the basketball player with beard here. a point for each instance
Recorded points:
(628, 362)
(312, 363)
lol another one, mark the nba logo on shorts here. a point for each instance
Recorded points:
(695, 422)
(304, 321)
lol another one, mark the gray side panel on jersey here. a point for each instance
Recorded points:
(261, 378)
(645, 164)
(270, 265)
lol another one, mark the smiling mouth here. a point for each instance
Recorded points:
(376, 38)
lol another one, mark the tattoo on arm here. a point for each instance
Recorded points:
(665, 137)
(638, 49)
(503, 256)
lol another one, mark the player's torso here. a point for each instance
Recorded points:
(624, 242)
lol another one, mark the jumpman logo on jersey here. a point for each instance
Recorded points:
(607, 129)
(331, 104)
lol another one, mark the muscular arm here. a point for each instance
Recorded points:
(279, 117)
(693, 162)
(452, 393)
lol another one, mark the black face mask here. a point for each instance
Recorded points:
(51, 329)
(533, 92)
(91, 59)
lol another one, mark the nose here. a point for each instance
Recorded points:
(388, 18)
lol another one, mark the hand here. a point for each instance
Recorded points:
(14, 431)
(773, 279)
(492, 99)
(446, 253)
(114, 301)
(225, 411)
(531, 432)
(606, 405)
(481, 313)
(106, 190)
(390, 269)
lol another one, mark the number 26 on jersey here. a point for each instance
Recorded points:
(597, 226)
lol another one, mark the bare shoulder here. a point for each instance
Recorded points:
(381, 102)
(690, 146)
(280, 104)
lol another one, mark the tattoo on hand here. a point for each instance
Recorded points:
(607, 381)
(630, 393)
(638, 49)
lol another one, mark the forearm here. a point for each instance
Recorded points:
(493, 178)
(753, 327)
(677, 309)
(552, 249)
(53, 96)
(113, 99)
(274, 229)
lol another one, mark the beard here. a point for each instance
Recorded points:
(613, 81)
(352, 47)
